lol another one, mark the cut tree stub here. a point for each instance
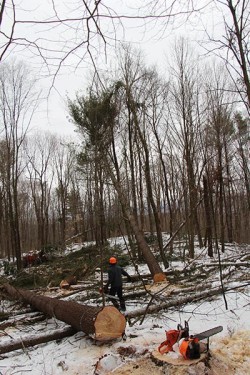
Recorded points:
(161, 359)
(67, 282)
(159, 277)
(109, 324)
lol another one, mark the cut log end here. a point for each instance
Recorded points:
(159, 277)
(109, 324)
(65, 284)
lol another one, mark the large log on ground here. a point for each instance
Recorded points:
(103, 323)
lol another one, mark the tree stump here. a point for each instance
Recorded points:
(163, 359)
(159, 277)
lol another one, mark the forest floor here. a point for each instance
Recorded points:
(193, 293)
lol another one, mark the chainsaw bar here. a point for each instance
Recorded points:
(208, 333)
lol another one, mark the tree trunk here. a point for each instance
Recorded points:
(149, 257)
(103, 323)
(171, 239)
(156, 214)
(209, 231)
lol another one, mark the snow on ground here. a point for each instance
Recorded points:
(80, 354)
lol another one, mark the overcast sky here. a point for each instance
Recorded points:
(153, 38)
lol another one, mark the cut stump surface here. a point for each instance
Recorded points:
(159, 358)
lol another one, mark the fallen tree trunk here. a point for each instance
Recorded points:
(103, 323)
(178, 301)
(23, 343)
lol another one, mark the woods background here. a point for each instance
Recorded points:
(157, 152)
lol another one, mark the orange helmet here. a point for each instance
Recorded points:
(112, 260)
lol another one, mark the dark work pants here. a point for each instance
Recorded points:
(117, 291)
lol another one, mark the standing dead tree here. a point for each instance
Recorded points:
(103, 323)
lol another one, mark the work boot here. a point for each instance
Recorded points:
(123, 307)
(116, 305)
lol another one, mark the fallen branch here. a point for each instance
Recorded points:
(24, 342)
(229, 264)
(37, 317)
(179, 301)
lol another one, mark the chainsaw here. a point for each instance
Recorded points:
(174, 336)
(207, 334)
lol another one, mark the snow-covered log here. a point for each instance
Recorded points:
(103, 323)
(32, 340)
(227, 264)
(176, 301)
(22, 319)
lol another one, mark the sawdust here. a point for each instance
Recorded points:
(143, 366)
(232, 355)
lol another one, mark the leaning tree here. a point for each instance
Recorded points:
(95, 117)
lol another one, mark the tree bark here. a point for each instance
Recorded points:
(104, 323)
(209, 230)
(153, 265)
(20, 343)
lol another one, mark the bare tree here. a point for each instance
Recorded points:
(17, 104)
(137, 82)
(186, 101)
(40, 151)
(219, 130)
(95, 115)
(64, 161)
(243, 138)
(232, 44)
(237, 43)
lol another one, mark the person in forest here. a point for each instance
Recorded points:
(115, 273)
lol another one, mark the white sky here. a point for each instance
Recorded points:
(154, 39)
